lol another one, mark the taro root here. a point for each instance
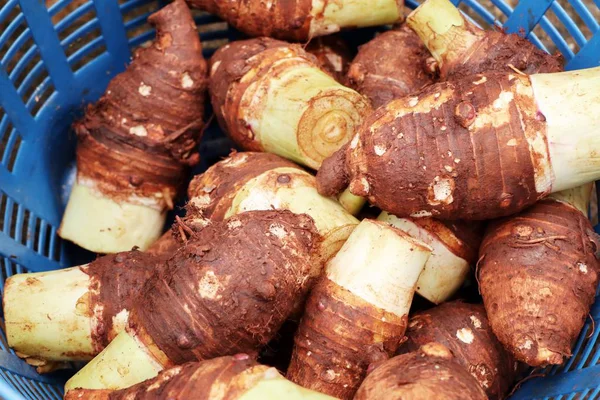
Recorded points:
(455, 245)
(272, 96)
(72, 314)
(223, 378)
(333, 55)
(464, 329)
(461, 48)
(538, 275)
(393, 65)
(302, 20)
(478, 147)
(261, 181)
(357, 313)
(227, 290)
(428, 373)
(136, 143)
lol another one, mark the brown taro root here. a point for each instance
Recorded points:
(227, 290)
(357, 313)
(538, 274)
(333, 54)
(72, 314)
(455, 245)
(272, 96)
(262, 181)
(461, 48)
(464, 329)
(428, 373)
(136, 142)
(301, 20)
(393, 65)
(477, 148)
(224, 378)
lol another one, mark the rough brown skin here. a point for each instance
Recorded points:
(284, 19)
(464, 329)
(339, 336)
(218, 186)
(429, 373)
(446, 134)
(229, 289)
(333, 55)
(226, 90)
(392, 65)
(115, 280)
(233, 375)
(538, 275)
(497, 51)
(148, 97)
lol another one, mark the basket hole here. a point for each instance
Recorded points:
(3, 207)
(13, 221)
(56, 247)
(8, 37)
(91, 53)
(13, 146)
(135, 18)
(38, 235)
(4, 135)
(46, 242)
(213, 35)
(24, 234)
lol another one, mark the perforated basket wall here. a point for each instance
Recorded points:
(58, 55)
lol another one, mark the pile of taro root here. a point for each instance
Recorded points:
(404, 219)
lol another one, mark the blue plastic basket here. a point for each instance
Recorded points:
(54, 60)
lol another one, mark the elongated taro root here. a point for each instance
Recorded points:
(464, 329)
(461, 48)
(429, 373)
(393, 65)
(478, 147)
(272, 96)
(455, 246)
(357, 314)
(224, 378)
(228, 290)
(135, 143)
(538, 274)
(301, 20)
(333, 55)
(261, 181)
(72, 314)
